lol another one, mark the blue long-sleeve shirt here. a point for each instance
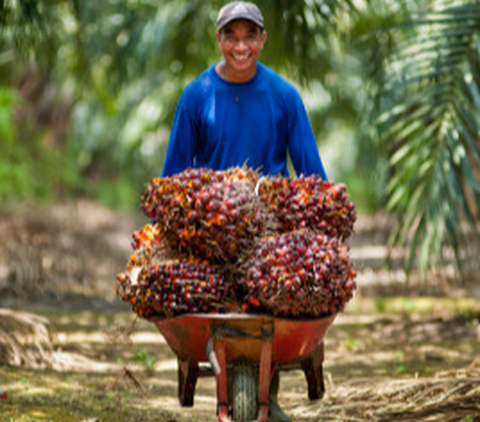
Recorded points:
(220, 124)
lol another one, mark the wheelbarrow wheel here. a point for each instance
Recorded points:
(244, 392)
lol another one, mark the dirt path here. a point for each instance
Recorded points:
(389, 357)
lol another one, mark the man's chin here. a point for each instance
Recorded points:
(243, 66)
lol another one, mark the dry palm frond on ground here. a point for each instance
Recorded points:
(449, 397)
(24, 339)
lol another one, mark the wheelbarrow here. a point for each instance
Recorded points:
(243, 351)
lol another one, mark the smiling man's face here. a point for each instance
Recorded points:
(241, 42)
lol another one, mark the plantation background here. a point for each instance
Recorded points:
(87, 96)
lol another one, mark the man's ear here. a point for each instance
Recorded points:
(264, 37)
(217, 36)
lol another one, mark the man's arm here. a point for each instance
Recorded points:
(182, 143)
(302, 145)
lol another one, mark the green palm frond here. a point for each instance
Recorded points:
(432, 128)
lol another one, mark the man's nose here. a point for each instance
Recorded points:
(242, 45)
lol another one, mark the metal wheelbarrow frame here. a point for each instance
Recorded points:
(222, 340)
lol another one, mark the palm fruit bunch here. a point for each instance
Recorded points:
(298, 274)
(171, 288)
(148, 246)
(147, 238)
(146, 243)
(308, 202)
(220, 239)
(206, 214)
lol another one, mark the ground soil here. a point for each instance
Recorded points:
(400, 351)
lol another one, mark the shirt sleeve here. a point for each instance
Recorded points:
(182, 144)
(302, 145)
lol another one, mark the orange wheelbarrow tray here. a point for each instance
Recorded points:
(217, 344)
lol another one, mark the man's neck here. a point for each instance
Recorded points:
(236, 77)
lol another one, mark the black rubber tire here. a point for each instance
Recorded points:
(244, 392)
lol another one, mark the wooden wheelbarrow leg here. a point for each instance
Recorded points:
(313, 369)
(187, 380)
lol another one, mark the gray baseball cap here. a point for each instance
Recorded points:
(239, 10)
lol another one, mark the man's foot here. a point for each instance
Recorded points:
(276, 414)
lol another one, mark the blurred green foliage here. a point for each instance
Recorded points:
(8, 97)
(29, 170)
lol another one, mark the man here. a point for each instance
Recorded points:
(240, 112)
